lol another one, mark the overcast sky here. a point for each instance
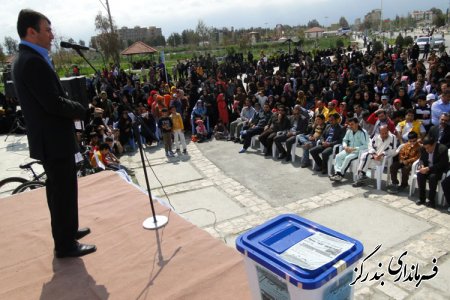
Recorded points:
(75, 19)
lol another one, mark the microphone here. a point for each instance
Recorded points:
(75, 46)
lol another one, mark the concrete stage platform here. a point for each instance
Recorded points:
(179, 261)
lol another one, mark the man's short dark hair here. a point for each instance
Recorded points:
(29, 18)
(412, 135)
(109, 139)
(428, 140)
(354, 120)
(410, 111)
(321, 116)
(103, 146)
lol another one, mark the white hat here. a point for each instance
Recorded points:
(431, 97)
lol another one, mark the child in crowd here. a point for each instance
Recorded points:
(165, 125)
(202, 132)
(220, 131)
(178, 130)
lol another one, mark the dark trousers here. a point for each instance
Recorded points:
(266, 138)
(432, 185)
(249, 134)
(406, 169)
(62, 199)
(288, 140)
(326, 152)
(446, 188)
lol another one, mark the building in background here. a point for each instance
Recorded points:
(138, 34)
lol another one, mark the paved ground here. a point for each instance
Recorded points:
(227, 193)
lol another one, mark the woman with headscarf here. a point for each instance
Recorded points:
(222, 108)
(198, 113)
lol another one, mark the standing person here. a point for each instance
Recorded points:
(165, 124)
(50, 129)
(178, 130)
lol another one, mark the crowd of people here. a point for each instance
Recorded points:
(367, 105)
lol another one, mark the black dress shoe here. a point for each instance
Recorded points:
(77, 251)
(420, 202)
(282, 156)
(82, 232)
(431, 204)
(288, 158)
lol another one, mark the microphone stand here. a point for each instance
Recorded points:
(155, 221)
(82, 55)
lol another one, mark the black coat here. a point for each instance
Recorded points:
(445, 139)
(440, 160)
(338, 134)
(49, 115)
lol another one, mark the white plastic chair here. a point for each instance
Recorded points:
(275, 151)
(412, 187)
(253, 142)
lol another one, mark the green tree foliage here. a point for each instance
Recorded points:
(189, 37)
(339, 43)
(399, 41)
(313, 23)
(2, 55)
(377, 46)
(408, 40)
(203, 31)
(108, 41)
(343, 22)
(174, 40)
(11, 45)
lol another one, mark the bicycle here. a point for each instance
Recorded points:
(8, 185)
(84, 168)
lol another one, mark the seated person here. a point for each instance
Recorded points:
(332, 135)
(407, 155)
(201, 131)
(441, 132)
(220, 131)
(279, 122)
(433, 163)
(355, 140)
(381, 145)
(310, 138)
(246, 115)
(299, 124)
(408, 125)
(256, 126)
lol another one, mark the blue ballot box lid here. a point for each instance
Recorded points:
(303, 252)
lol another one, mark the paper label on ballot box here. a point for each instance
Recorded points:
(316, 251)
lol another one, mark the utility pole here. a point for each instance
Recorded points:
(116, 58)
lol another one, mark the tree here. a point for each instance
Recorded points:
(11, 45)
(188, 36)
(399, 41)
(82, 43)
(313, 23)
(339, 43)
(203, 31)
(71, 40)
(408, 40)
(2, 55)
(108, 41)
(174, 40)
(343, 22)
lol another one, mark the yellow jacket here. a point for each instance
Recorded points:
(177, 121)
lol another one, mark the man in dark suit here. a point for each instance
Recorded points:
(441, 132)
(49, 117)
(299, 124)
(332, 135)
(433, 163)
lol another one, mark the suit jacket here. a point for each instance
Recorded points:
(440, 160)
(445, 139)
(338, 134)
(49, 115)
(302, 124)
